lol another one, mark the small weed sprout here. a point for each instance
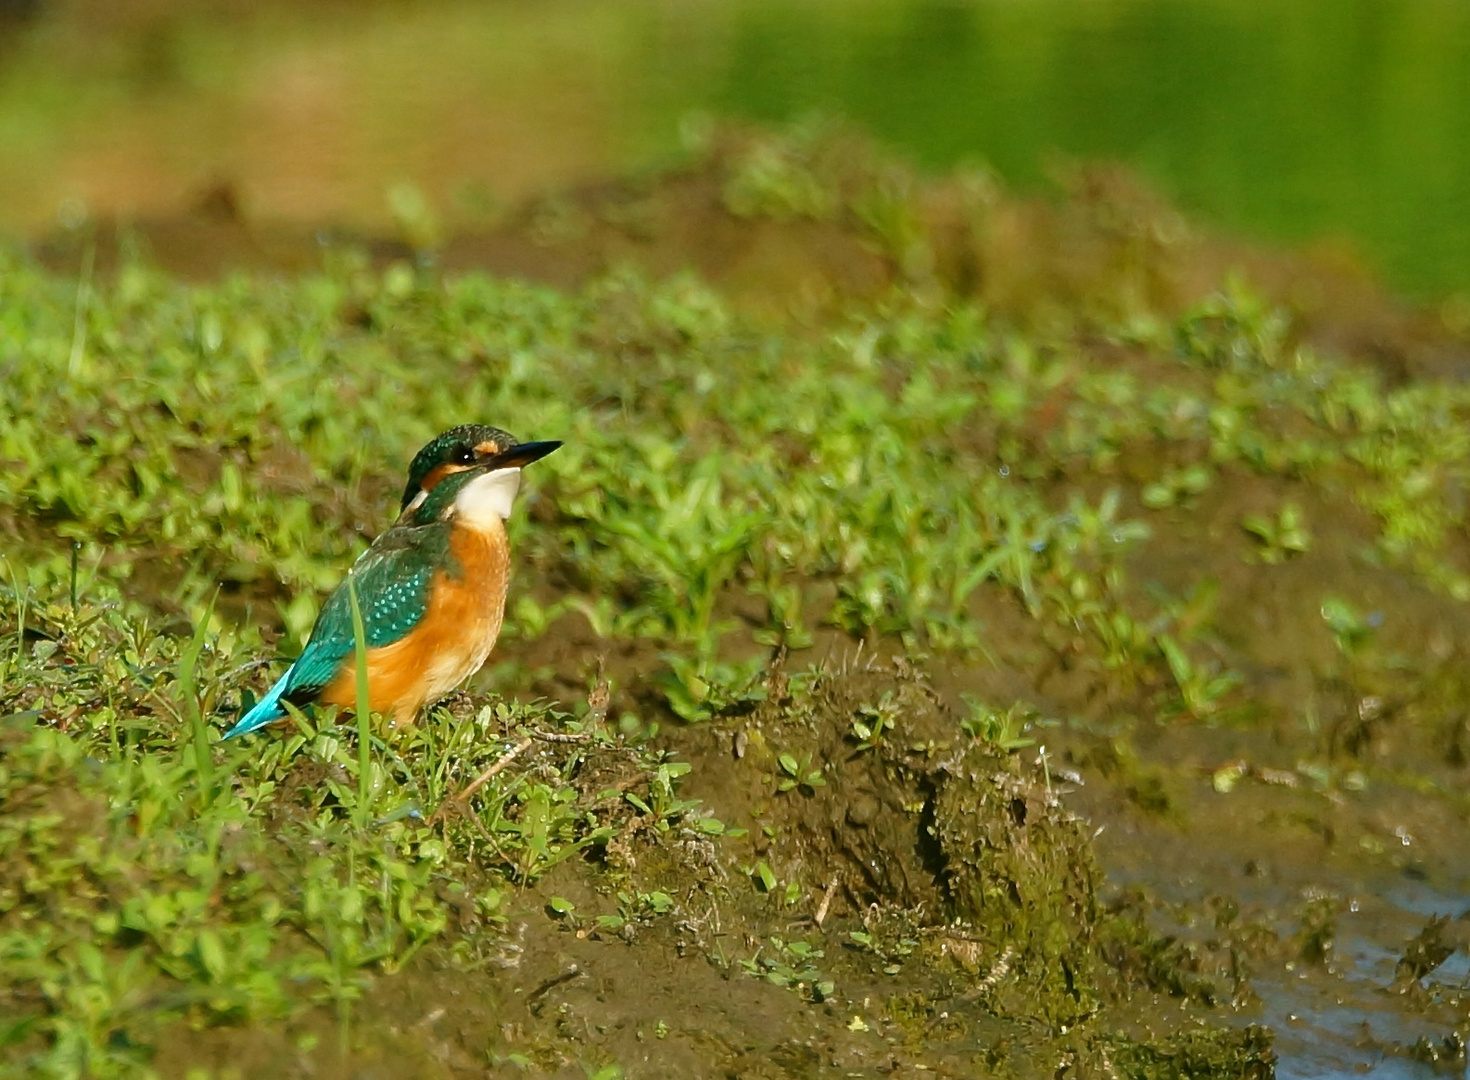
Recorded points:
(1005, 731)
(1175, 486)
(1280, 537)
(1201, 688)
(798, 775)
(1351, 632)
(791, 964)
(873, 722)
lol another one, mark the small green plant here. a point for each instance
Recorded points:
(639, 907)
(1351, 631)
(799, 774)
(697, 689)
(1177, 485)
(1005, 731)
(790, 964)
(874, 722)
(781, 178)
(1281, 537)
(890, 950)
(1202, 689)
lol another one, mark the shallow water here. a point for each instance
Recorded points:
(1342, 1016)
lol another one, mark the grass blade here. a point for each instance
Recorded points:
(21, 596)
(188, 664)
(364, 748)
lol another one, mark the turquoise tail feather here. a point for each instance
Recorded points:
(266, 711)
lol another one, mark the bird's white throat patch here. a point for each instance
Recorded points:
(488, 499)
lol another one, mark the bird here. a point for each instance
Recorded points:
(431, 589)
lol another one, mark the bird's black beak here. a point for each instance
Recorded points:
(518, 455)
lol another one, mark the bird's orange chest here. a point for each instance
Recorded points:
(467, 598)
(460, 625)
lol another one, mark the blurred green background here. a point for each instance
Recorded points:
(1345, 121)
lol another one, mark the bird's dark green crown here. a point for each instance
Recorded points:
(455, 450)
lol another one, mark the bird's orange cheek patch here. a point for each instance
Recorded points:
(439, 472)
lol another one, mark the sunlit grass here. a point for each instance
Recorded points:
(151, 875)
(187, 470)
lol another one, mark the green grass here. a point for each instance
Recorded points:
(145, 883)
(252, 435)
(911, 471)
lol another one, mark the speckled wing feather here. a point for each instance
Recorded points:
(393, 579)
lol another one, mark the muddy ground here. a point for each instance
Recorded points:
(1179, 898)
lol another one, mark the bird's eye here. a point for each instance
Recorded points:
(464, 455)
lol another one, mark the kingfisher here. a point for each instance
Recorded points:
(431, 588)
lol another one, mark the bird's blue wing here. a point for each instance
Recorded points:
(393, 578)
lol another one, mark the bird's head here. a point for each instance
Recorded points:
(454, 451)
(472, 471)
